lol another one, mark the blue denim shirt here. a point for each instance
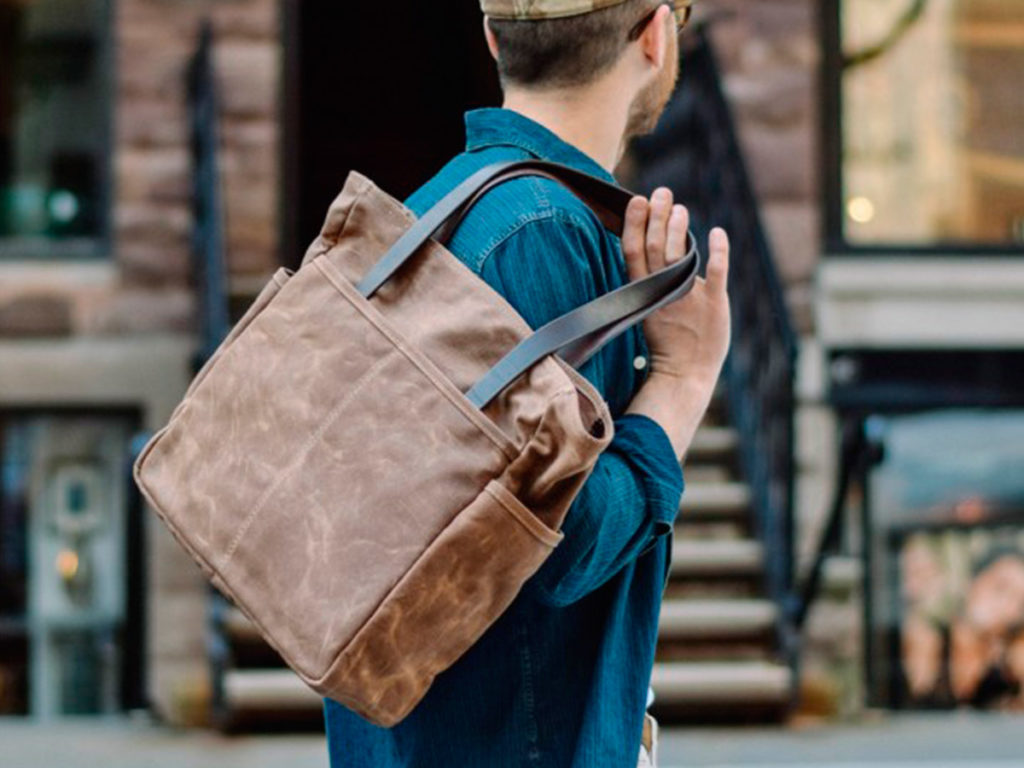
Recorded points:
(561, 679)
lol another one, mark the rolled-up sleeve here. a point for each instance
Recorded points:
(544, 269)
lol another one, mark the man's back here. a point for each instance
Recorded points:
(561, 679)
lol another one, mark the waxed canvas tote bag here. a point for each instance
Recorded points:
(381, 452)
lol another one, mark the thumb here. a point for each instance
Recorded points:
(718, 260)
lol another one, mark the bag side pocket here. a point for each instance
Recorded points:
(461, 584)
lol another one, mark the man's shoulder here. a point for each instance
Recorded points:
(507, 211)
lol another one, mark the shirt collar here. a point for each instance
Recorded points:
(492, 126)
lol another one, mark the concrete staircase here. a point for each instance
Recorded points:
(717, 658)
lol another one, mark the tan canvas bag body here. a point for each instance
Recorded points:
(380, 453)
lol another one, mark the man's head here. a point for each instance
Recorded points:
(563, 45)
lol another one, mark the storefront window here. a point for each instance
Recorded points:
(947, 515)
(54, 127)
(930, 103)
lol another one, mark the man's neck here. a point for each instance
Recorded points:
(592, 119)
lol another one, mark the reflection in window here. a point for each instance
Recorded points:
(933, 146)
(53, 126)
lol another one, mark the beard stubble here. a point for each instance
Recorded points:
(650, 102)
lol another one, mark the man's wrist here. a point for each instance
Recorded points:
(691, 386)
(677, 403)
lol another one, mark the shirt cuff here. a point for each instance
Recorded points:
(662, 474)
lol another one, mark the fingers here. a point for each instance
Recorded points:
(654, 233)
(634, 234)
(657, 228)
(718, 260)
(678, 224)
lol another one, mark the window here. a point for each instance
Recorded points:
(923, 124)
(54, 127)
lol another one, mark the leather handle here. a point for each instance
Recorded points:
(608, 201)
(579, 334)
(576, 335)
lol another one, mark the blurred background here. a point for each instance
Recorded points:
(850, 548)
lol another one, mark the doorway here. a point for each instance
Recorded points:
(376, 88)
(71, 565)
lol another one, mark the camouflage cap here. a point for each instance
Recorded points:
(542, 9)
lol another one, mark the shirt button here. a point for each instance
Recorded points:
(639, 362)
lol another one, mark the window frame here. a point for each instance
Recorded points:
(834, 242)
(95, 248)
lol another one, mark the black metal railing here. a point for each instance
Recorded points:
(208, 252)
(207, 206)
(696, 153)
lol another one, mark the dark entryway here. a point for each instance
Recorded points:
(379, 88)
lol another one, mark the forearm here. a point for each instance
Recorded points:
(677, 404)
(629, 500)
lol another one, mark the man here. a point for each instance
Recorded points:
(561, 679)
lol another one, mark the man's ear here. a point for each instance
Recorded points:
(654, 39)
(492, 41)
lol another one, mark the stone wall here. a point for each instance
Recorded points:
(155, 39)
(135, 309)
(145, 288)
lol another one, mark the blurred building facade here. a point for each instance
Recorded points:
(98, 328)
(885, 157)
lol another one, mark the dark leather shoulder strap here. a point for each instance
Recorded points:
(606, 200)
(578, 334)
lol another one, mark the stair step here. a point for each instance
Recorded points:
(702, 530)
(685, 619)
(716, 649)
(245, 287)
(706, 473)
(247, 690)
(707, 682)
(726, 557)
(237, 626)
(713, 442)
(739, 588)
(714, 500)
(842, 575)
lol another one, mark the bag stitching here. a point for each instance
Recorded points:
(300, 455)
(530, 523)
(469, 412)
(237, 330)
(362, 186)
(331, 668)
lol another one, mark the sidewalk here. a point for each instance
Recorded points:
(935, 740)
(957, 740)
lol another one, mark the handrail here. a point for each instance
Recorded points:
(208, 253)
(851, 463)
(207, 207)
(696, 153)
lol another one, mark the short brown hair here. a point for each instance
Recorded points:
(564, 51)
